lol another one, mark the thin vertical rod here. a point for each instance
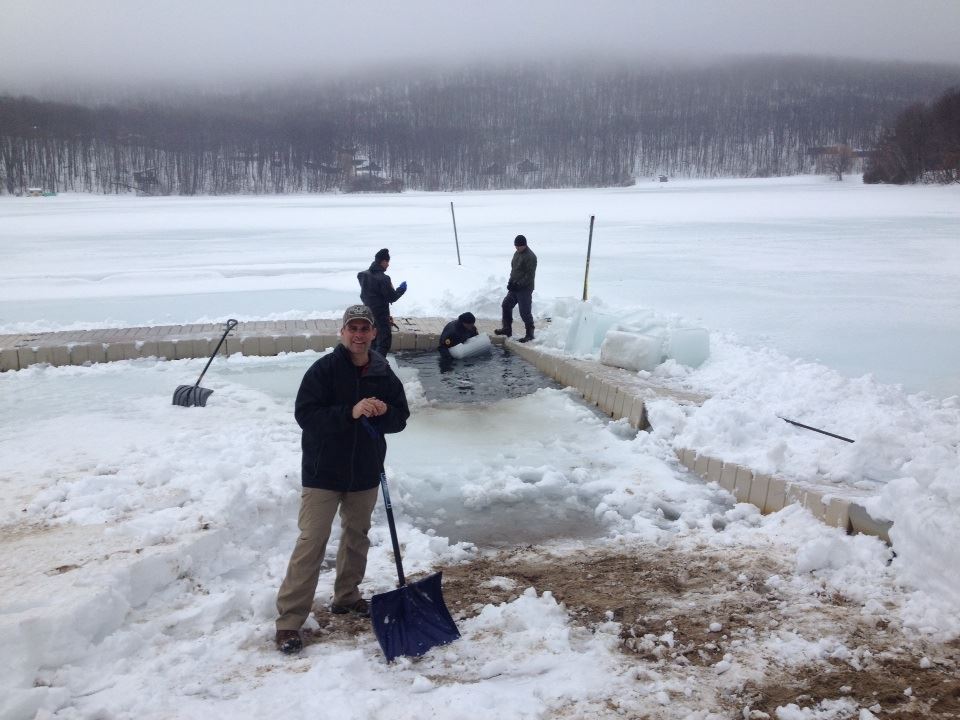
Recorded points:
(586, 271)
(455, 238)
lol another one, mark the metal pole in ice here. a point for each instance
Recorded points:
(586, 271)
(455, 238)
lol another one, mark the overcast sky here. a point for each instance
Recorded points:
(52, 43)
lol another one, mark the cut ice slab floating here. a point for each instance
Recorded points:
(476, 345)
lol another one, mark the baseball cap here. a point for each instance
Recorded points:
(358, 312)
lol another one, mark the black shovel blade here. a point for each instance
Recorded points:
(412, 619)
(191, 396)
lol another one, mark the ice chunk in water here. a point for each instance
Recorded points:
(689, 346)
(631, 351)
(474, 346)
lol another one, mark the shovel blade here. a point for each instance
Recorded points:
(191, 396)
(412, 619)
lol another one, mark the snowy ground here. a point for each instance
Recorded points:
(590, 574)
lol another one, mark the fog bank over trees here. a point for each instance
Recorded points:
(471, 128)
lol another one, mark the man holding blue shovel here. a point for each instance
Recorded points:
(348, 400)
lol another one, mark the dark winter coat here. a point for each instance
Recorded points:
(376, 291)
(455, 333)
(523, 268)
(338, 452)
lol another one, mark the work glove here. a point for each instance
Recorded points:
(402, 287)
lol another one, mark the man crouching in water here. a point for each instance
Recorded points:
(340, 469)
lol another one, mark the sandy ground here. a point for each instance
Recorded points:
(666, 599)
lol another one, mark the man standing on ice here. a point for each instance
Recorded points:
(523, 268)
(340, 469)
(376, 292)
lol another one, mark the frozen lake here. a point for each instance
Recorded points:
(864, 279)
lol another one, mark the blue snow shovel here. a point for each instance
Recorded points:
(413, 618)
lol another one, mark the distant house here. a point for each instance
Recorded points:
(837, 159)
(373, 183)
(820, 151)
(664, 178)
(146, 181)
(34, 191)
(347, 162)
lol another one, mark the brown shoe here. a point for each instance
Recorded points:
(360, 607)
(289, 642)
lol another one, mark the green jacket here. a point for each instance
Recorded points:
(523, 268)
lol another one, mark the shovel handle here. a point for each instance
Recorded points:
(374, 433)
(231, 324)
(393, 529)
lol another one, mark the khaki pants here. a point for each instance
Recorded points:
(317, 510)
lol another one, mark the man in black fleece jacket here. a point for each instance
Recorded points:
(376, 292)
(341, 466)
(457, 332)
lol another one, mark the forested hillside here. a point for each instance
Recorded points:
(544, 126)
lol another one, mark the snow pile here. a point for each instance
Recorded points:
(902, 467)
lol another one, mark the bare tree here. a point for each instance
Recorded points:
(841, 160)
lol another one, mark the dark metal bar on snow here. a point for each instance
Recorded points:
(822, 432)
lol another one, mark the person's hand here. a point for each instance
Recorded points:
(402, 287)
(369, 407)
(511, 286)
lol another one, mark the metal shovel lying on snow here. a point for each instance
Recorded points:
(193, 395)
(413, 618)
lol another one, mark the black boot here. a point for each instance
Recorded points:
(503, 331)
(529, 336)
